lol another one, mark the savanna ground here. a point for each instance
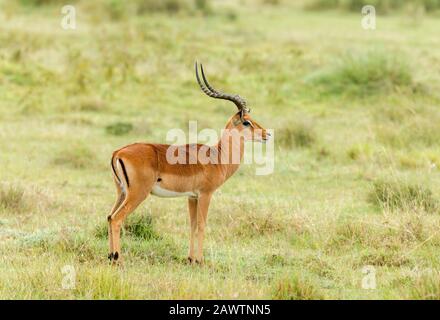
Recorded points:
(356, 120)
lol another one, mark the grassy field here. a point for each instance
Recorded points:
(356, 117)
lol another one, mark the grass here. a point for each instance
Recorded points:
(299, 134)
(12, 197)
(382, 6)
(77, 156)
(398, 195)
(119, 128)
(364, 74)
(426, 287)
(296, 289)
(356, 180)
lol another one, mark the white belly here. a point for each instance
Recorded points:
(164, 193)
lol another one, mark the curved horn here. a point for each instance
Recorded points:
(213, 93)
(206, 81)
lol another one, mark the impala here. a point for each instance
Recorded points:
(142, 169)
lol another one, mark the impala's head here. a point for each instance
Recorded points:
(242, 120)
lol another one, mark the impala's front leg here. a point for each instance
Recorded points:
(202, 214)
(192, 208)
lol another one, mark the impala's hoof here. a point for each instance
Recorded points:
(113, 257)
(190, 260)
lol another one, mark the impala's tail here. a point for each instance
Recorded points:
(120, 166)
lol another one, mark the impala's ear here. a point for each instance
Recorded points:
(237, 120)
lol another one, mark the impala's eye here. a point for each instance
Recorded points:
(246, 123)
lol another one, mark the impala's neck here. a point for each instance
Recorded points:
(231, 150)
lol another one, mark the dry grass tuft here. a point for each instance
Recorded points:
(399, 195)
(296, 288)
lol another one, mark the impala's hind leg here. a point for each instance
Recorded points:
(130, 203)
(192, 208)
(136, 187)
(120, 197)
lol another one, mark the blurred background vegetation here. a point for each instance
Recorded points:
(355, 114)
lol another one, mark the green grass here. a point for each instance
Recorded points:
(296, 289)
(398, 195)
(12, 197)
(356, 178)
(300, 134)
(365, 74)
(382, 6)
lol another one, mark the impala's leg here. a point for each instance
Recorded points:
(130, 203)
(137, 186)
(119, 199)
(192, 208)
(202, 214)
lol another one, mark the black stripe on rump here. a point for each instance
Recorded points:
(114, 171)
(124, 171)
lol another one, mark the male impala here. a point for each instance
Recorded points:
(141, 169)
